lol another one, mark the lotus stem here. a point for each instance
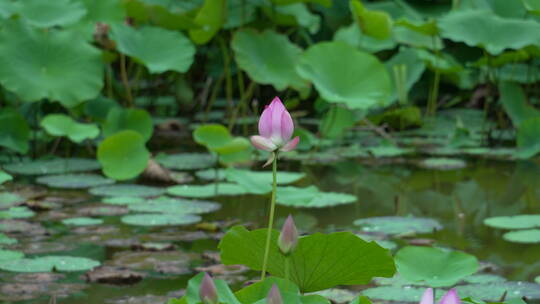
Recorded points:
(123, 75)
(271, 217)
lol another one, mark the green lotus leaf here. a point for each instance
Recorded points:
(353, 36)
(398, 225)
(515, 103)
(70, 71)
(439, 163)
(8, 199)
(127, 190)
(528, 236)
(492, 291)
(528, 137)
(74, 181)
(351, 260)
(16, 213)
(53, 166)
(479, 28)
(49, 264)
(433, 266)
(311, 197)
(161, 219)
(224, 292)
(6, 240)
(175, 205)
(375, 23)
(186, 161)
(328, 66)
(123, 155)
(525, 221)
(159, 49)
(283, 177)
(14, 130)
(10, 255)
(209, 190)
(45, 14)
(63, 125)
(123, 200)
(82, 221)
(138, 120)
(209, 20)
(268, 58)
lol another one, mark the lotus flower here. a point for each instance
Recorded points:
(451, 297)
(288, 238)
(207, 290)
(274, 296)
(275, 128)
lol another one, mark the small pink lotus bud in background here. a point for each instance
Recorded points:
(208, 291)
(427, 298)
(274, 296)
(288, 238)
(275, 129)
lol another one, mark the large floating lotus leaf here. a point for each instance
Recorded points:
(160, 219)
(283, 177)
(49, 264)
(349, 259)
(82, 221)
(484, 29)
(329, 65)
(16, 213)
(6, 240)
(528, 137)
(209, 20)
(63, 125)
(119, 119)
(51, 13)
(398, 293)
(525, 221)
(493, 291)
(160, 50)
(209, 190)
(14, 130)
(528, 236)
(10, 255)
(433, 266)
(53, 166)
(438, 163)
(175, 205)
(8, 199)
(515, 103)
(74, 181)
(268, 58)
(483, 278)
(398, 225)
(70, 71)
(311, 197)
(250, 183)
(127, 190)
(186, 161)
(123, 200)
(212, 135)
(123, 155)
(4, 177)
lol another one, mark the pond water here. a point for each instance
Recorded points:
(459, 199)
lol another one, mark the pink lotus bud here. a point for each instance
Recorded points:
(451, 297)
(288, 238)
(274, 296)
(427, 298)
(275, 129)
(208, 291)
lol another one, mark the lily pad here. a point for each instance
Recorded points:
(209, 190)
(123, 200)
(74, 181)
(483, 278)
(62, 125)
(434, 266)
(528, 236)
(337, 296)
(443, 163)
(6, 240)
(159, 49)
(49, 264)
(397, 293)
(311, 197)
(398, 225)
(283, 177)
(525, 221)
(16, 213)
(10, 255)
(176, 206)
(159, 219)
(45, 14)
(328, 66)
(53, 166)
(82, 221)
(124, 190)
(8, 199)
(186, 161)
(71, 71)
(494, 291)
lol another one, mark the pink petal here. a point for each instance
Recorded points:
(287, 126)
(291, 145)
(277, 109)
(265, 122)
(262, 143)
(427, 298)
(451, 297)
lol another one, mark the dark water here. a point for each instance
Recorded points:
(459, 199)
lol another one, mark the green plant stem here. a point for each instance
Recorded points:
(245, 97)
(271, 217)
(434, 94)
(287, 269)
(123, 74)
